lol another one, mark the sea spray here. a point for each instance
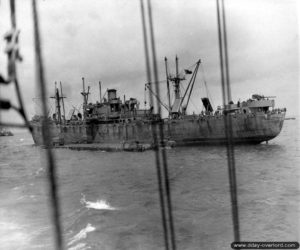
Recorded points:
(11, 234)
(82, 234)
(99, 204)
(79, 246)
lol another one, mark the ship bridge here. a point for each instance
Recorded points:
(259, 103)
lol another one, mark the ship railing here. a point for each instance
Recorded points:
(278, 111)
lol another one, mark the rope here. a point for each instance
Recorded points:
(194, 105)
(154, 135)
(164, 157)
(205, 85)
(46, 134)
(162, 172)
(225, 79)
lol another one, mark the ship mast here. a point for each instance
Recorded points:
(168, 85)
(85, 97)
(62, 100)
(57, 102)
(190, 87)
(177, 79)
(58, 105)
(100, 92)
(177, 107)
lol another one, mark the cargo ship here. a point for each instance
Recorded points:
(112, 120)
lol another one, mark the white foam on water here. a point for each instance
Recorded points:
(99, 204)
(11, 235)
(39, 230)
(40, 171)
(80, 246)
(26, 197)
(82, 234)
(21, 197)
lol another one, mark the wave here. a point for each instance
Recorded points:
(80, 246)
(11, 234)
(40, 172)
(27, 197)
(99, 204)
(81, 235)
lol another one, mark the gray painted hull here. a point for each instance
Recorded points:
(192, 130)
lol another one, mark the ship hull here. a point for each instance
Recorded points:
(191, 130)
(246, 129)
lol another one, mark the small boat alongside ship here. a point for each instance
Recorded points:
(5, 132)
(113, 121)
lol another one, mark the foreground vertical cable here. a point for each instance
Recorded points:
(226, 93)
(154, 134)
(161, 130)
(46, 132)
(162, 171)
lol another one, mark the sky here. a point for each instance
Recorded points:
(102, 40)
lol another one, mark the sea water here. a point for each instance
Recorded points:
(110, 200)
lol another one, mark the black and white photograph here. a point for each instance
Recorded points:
(149, 124)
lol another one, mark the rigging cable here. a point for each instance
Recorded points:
(205, 85)
(158, 169)
(162, 173)
(194, 105)
(46, 133)
(225, 79)
(164, 157)
(145, 97)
